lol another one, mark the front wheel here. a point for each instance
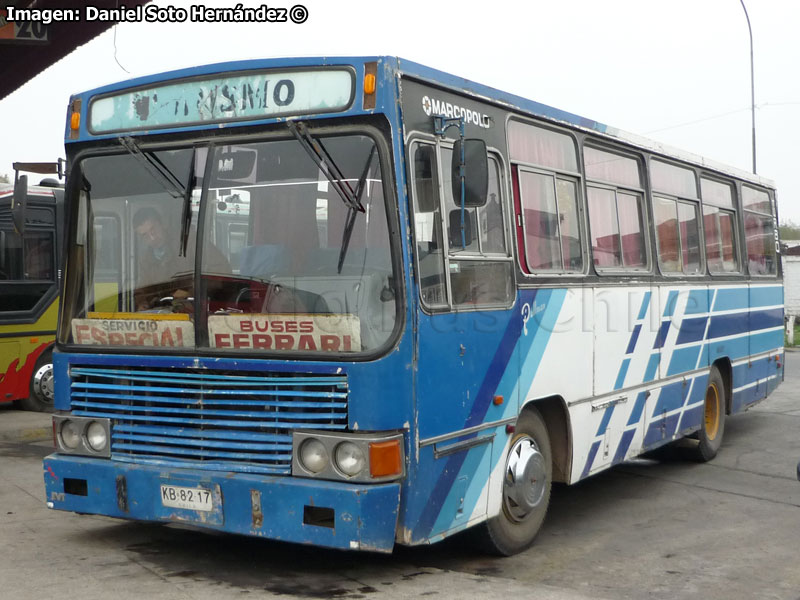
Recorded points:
(713, 425)
(526, 489)
(41, 392)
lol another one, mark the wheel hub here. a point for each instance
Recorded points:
(43, 383)
(525, 479)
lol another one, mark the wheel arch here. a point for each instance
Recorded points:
(723, 365)
(554, 412)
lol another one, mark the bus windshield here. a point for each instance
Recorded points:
(244, 247)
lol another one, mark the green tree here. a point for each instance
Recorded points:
(789, 231)
(4, 179)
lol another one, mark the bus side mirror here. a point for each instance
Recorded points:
(454, 228)
(19, 202)
(476, 172)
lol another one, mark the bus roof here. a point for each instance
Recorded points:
(396, 66)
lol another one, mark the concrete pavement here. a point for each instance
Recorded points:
(24, 426)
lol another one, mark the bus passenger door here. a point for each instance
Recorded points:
(467, 362)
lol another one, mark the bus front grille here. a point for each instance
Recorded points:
(210, 419)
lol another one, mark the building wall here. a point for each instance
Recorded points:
(791, 282)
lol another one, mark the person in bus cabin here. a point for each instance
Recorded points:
(161, 271)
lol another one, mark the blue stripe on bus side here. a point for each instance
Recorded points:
(624, 444)
(683, 359)
(766, 296)
(743, 322)
(672, 300)
(766, 319)
(733, 349)
(697, 302)
(692, 330)
(644, 306)
(725, 325)
(592, 453)
(634, 338)
(638, 408)
(663, 332)
(670, 398)
(692, 418)
(605, 420)
(766, 341)
(698, 390)
(652, 367)
(731, 299)
(623, 370)
(660, 430)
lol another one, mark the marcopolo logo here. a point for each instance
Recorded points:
(433, 106)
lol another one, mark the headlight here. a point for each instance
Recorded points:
(84, 436)
(313, 455)
(70, 434)
(350, 459)
(351, 456)
(96, 436)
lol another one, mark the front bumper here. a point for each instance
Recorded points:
(306, 511)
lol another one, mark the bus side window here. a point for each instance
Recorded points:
(480, 270)
(759, 232)
(546, 181)
(39, 256)
(428, 227)
(719, 225)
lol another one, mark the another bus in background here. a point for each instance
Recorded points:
(30, 263)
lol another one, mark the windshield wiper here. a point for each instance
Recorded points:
(352, 212)
(186, 217)
(168, 180)
(153, 165)
(326, 164)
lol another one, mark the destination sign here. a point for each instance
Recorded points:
(326, 333)
(223, 98)
(150, 331)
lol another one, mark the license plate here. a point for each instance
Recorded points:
(186, 497)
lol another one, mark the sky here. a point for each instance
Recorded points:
(676, 71)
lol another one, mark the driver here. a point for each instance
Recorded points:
(161, 271)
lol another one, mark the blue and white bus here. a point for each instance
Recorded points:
(358, 302)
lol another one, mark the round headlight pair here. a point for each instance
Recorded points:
(349, 458)
(96, 437)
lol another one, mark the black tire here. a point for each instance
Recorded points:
(712, 427)
(524, 508)
(40, 392)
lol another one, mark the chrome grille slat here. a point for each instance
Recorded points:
(205, 418)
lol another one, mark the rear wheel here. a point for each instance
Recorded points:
(41, 392)
(526, 489)
(713, 425)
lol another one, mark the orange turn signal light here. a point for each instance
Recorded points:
(75, 121)
(385, 459)
(369, 83)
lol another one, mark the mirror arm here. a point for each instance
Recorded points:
(440, 126)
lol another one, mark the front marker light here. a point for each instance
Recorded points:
(350, 459)
(313, 455)
(70, 434)
(385, 459)
(96, 436)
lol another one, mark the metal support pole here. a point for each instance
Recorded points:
(752, 85)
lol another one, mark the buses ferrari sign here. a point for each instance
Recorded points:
(328, 333)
